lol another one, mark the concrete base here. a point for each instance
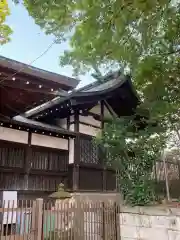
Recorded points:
(98, 196)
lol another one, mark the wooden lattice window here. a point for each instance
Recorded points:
(89, 152)
(12, 156)
(47, 159)
(43, 183)
(11, 181)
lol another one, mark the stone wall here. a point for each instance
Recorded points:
(149, 223)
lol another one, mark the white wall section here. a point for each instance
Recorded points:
(89, 120)
(71, 151)
(13, 135)
(51, 142)
(92, 131)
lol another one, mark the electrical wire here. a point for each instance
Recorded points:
(42, 54)
(21, 69)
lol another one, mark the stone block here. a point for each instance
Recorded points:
(173, 235)
(124, 238)
(145, 221)
(168, 222)
(174, 223)
(129, 232)
(153, 234)
(129, 219)
(160, 221)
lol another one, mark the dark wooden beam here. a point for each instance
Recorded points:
(102, 114)
(27, 162)
(68, 122)
(109, 109)
(86, 124)
(101, 150)
(76, 119)
(95, 116)
(76, 153)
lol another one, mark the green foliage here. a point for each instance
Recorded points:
(143, 38)
(133, 152)
(108, 31)
(5, 30)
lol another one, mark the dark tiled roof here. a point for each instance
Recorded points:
(90, 89)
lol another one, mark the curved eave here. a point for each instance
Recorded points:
(121, 90)
(124, 84)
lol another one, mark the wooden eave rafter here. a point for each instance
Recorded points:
(23, 124)
(23, 87)
(87, 100)
(25, 70)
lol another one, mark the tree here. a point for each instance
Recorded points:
(5, 30)
(142, 37)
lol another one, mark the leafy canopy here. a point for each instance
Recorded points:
(5, 30)
(143, 38)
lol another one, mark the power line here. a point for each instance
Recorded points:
(14, 74)
(42, 54)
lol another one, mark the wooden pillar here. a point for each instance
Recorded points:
(76, 153)
(102, 152)
(37, 215)
(27, 161)
(68, 121)
(102, 114)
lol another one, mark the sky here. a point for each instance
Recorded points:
(28, 42)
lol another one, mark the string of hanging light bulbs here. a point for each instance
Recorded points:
(13, 76)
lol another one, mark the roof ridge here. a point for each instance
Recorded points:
(106, 78)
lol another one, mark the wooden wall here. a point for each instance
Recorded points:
(31, 168)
